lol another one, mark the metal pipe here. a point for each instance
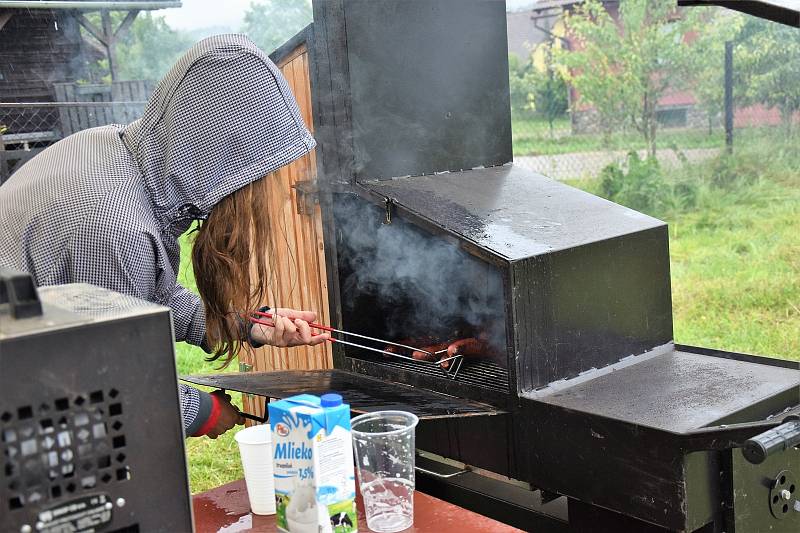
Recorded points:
(85, 6)
(729, 96)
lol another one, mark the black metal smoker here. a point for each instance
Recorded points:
(587, 416)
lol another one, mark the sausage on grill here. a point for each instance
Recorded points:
(420, 354)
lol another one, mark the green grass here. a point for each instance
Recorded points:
(735, 252)
(531, 136)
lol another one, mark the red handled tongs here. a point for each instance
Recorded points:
(452, 369)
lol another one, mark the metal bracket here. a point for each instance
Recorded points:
(783, 495)
(307, 196)
(436, 468)
(388, 205)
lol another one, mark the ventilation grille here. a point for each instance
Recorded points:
(61, 448)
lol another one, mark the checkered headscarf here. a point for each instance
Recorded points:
(106, 205)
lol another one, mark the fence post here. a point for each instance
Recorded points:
(3, 163)
(729, 96)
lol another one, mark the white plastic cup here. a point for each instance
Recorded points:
(255, 449)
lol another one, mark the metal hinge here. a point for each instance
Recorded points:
(307, 196)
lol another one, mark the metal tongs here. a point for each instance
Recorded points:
(451, 370)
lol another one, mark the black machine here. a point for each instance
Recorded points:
(582, 414)
(86, 447)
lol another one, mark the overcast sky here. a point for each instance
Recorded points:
(204, 13)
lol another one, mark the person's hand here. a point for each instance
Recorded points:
(228, 417)
(291, 329)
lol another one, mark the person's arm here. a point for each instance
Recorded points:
(188, 317)
(124, 259)
(207, 414)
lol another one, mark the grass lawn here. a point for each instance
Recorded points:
(736, 275)
(735, 271)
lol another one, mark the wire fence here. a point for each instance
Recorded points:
(573, 151)
(27, 128)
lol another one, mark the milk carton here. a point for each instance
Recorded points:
(312, 457)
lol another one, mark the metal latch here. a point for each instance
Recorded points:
(307, 196)
(388, 205)
(244, 367)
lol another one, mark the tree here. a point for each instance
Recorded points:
(270, 23)
(622, 68)
(516, 80)
(150, 48)
(537, 88)
(145, 52)
(767, 58)
(549, 96)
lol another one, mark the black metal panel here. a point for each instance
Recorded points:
(468, 439)
(783, 11)
(679, 391)
(613, 464)
(753, 499)
(586, 518)
(330, 88)
(429, 85)
(511, 212)
(589, 306)
(364, 394)
(76, 420)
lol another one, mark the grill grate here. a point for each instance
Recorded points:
(478, 373)
(62, 448)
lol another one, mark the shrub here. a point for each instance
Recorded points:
(638, 183)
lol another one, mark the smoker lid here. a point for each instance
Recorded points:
(363, 393)
(678, 390)
(510, 211)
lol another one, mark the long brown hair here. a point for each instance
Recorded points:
(231, 258)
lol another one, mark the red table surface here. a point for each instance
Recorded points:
(226, 508)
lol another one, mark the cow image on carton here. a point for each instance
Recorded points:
(313, 464)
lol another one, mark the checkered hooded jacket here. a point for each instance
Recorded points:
(107, 205)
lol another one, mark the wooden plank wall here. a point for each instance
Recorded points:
(300, 252)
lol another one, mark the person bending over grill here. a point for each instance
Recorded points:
(106, 206)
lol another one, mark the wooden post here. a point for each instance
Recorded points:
(107, 35)
(109, 42)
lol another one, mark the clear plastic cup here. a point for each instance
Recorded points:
(255, 449)
(383, 443)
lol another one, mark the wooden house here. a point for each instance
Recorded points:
(42, 45)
